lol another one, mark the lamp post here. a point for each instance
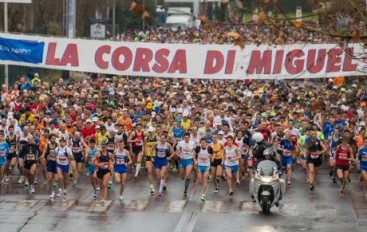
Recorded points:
(6, 68)
(114, 19)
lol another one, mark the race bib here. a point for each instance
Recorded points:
(314, 155)
(139, 142)
(77, 149)
(343, 156)
(63, 160)
(52, 157)
(161, 154)
(31, 156)
(203, 159)
(104, 165)
(120, 161)
(110, 146)
(2, 152)
(287, 153)
(364, 158)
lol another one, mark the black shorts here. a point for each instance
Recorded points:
(316, 162)
(148, 158)
(20, 156)
(102, 172)
(136, 150)
(78, 157)
(11, 156)
(216, 162)
(29, 163)
(343, 167)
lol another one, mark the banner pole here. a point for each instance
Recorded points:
(6, 67)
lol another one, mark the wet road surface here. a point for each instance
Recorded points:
(301, 210)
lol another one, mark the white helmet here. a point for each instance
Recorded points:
(258, 137)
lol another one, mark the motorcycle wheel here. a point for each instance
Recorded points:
(264, 205)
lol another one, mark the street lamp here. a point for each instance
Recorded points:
(6, 68)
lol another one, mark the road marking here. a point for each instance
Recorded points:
(98, 207)
(212, 207)
(187, 222)
(62, 205)
(289, 209)
(174, 206)
(249, 207)
(138, 205)
(25, 204)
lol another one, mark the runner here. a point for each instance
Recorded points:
(362, 163)
(163, 153)
(334, 141)
(49, 155)
(122, 160)
(343, 158)
(137, 142)
(4, 152)
(314, 149)
(77, 145)
(216, 163)
(31, 155)
(23, 140)
(185, 152)
(150, 142)
(104, 163)
(64, 156)
(13, 140)
(203, 156)
(286, 148)
(232, 155)
(91, 152)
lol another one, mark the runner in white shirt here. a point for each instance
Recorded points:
(63, 157)
(204, 154)
(232, 155)
(185, 151)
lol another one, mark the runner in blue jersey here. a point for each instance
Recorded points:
(91, 168)
(122, 161)
(362, 163)
(163, 153)
(286, 148)
(4, 151)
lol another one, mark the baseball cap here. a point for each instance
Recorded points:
(154, 114)
(95, 119)
(151, 129)
(220, 133)
(88, 120)
(185, 114)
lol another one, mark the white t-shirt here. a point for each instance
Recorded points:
(186, 149)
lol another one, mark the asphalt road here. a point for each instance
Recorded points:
(301, 210)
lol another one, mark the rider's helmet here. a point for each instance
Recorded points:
(258, 137)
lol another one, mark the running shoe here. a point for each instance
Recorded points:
(121, 198)
(349, 183)
(98, 189)
(75, 184)
(164, 187)
(21, 180)
(216, 190)
(238, 183)
(6, 178)
(230, 192)
(312, 187)
(289, 182)
(52, 196)
(59, 193)
(185, 194)
(152, 191)
(95, 195)
(109, 185)
(26, 183)
(54, 184)
(36, 181)
(32, 189)
(202, 197)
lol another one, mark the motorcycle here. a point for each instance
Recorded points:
(267, 187)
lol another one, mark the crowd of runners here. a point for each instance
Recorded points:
(107, 128)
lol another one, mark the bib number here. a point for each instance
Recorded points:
(314, 155)
(31, 157)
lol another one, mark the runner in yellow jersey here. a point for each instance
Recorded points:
(216, 163)
(148, 149)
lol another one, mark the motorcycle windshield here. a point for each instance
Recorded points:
(266, 167)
